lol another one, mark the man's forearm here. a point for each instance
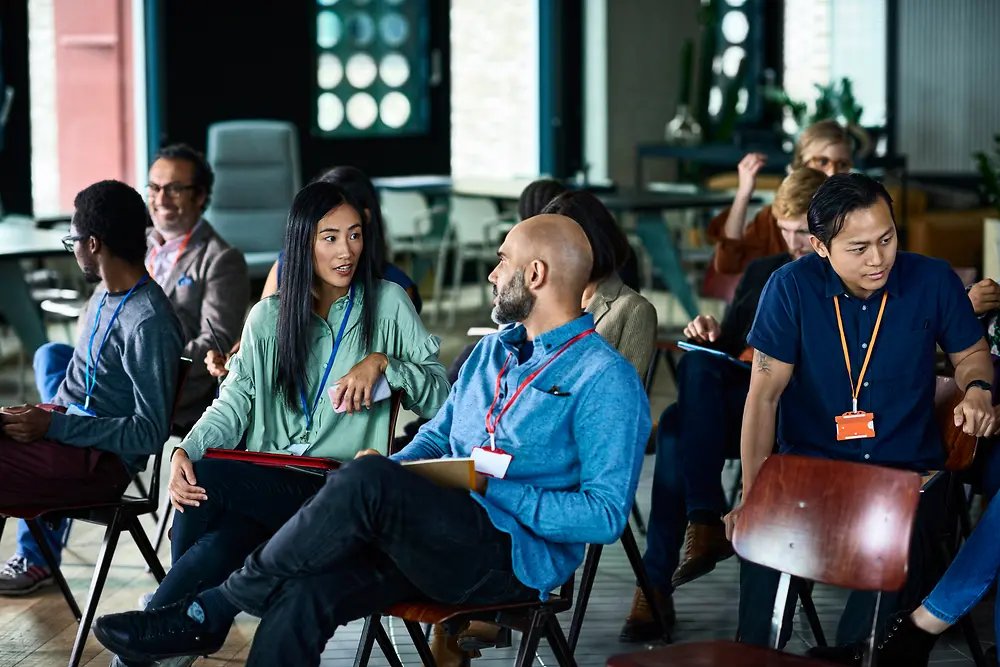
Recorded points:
(757, 439)
(737, 220)
(976, 366)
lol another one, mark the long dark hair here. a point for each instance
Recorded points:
(607, 241)
(295, 308)
(357, 184)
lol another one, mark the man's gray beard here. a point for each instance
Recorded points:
(515, 303)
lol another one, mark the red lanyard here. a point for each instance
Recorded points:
(180, 251)
(491, 427)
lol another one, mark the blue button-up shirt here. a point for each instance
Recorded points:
(577, 434)
(796, 323)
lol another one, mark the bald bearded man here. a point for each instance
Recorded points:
(557, 422)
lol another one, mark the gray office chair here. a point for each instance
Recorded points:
(257, 173)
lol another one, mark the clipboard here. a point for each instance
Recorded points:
(273, 460)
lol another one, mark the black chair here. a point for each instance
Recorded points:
(117, 516)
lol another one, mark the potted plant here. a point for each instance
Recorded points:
(988, 167)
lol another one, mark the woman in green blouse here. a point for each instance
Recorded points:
(333, 323)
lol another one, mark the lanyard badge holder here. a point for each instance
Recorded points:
(495, 461)
(300, 448)
(90, 379)
(855, 425)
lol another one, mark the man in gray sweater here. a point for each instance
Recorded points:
(113, 409)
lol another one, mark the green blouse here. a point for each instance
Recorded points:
(250, 401)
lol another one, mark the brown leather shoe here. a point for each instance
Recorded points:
(446, 650)
(640, 626)
(704, 546)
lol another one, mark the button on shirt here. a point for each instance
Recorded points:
(796, 323)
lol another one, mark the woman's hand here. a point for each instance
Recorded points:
(182, 487)
(354, 390)
(216, 363)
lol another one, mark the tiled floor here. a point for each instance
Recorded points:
(38, 631)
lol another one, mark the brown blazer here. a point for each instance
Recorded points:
(761, 238)
(210, 280)
(626, 320)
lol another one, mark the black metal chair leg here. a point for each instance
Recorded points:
(367, 641)
(809, 607)
(528, 647)
(972, 639)
(583, 594)
(69, 528)
(560, 647)
(420, 643)
(146, 549)
(3, 522)
(640, 523)
(50, 559)
(635, 560)
(96, 587)
(385, 643)
(144, 492)
(161, 525)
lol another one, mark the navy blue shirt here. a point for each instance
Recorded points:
(796, 323)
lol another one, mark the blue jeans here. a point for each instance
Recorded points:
(246, 505)
(51, 361)
(694, 438)
(971, 574)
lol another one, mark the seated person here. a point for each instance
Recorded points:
(377, 534)
(112, 409)
(203, 277)
(340, 328)
(360, 187)
(909, 637)
(701, 430)
(851, 331)
(826, 146)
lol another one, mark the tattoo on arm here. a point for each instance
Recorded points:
(761, 361)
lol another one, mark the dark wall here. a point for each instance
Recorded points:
(15, 156)
(239, 59)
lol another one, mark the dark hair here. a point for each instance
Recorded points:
(536, 195)
(607, 241)
(295, 306)
(839, 196)
(114, 214)
(357, 184)
(203, 178)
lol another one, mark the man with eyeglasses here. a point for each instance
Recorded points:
(204, 278)
(112, 410)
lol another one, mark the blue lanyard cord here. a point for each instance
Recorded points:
(329, 366)
(91, 378)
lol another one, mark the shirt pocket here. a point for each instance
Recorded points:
(536, 417)
(905, 362)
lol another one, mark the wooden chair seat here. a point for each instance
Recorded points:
(714, 654)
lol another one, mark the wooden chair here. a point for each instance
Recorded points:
(843, 524)
(117, 516)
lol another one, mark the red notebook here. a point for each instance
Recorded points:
(275, 460)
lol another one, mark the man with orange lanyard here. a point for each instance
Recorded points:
(851, 331)
(205, 279)
(569, 420)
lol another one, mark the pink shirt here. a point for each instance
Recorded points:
(162, 255)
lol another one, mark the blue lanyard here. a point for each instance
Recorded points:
(329, 366)
(91, 379)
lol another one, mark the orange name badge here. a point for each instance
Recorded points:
(855, 425)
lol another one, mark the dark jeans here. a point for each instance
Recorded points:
(758, 585)
(246, 505)
(375, 534)
(694, 438)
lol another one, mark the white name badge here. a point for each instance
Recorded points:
(79, 411)
(299, 448)
(492, 462)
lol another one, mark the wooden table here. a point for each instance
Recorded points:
(20, 241)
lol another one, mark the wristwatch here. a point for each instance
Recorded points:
(980, 384)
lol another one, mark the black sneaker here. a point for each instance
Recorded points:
(160, 633)
(903, 645)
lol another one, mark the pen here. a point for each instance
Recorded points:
(215, 337)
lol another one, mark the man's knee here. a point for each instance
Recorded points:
(51, 357)
(365, 473)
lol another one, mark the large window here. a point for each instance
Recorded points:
(371, 67)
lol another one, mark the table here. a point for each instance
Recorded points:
(19, 242)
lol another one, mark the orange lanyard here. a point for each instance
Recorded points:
(856, 389)
(180, 251)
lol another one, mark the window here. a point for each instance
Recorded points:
(371, 68)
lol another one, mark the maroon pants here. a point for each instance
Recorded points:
(45, 475)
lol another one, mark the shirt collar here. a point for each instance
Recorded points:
(511, 338)
(835, 286)
(172, 244)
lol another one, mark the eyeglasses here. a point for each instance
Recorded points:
(820, 162)
(69, 241)
(172, 190)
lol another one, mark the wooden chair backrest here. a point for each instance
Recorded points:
(843, 524)
(959, 447)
